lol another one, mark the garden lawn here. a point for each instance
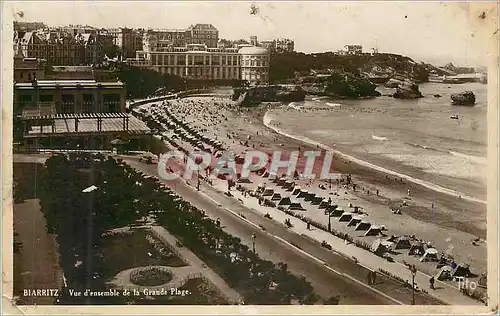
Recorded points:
(126, 251)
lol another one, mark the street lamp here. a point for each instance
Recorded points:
(90, 201)
(413, 270)
(253, 242)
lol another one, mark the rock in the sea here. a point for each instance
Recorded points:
(393, 83)
(466, 98)
(407, 90)
(437, 95)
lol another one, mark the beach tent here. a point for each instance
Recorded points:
(302, 194)
(323, 204)
(444, 273)
(309, 196)
(337, 212)
(346, 217)
(296, 191)
(462, 270)
(355, 220)
(244, 180)
(276, 196)
(430, 254)
(373, 231)
(380, 247)
(316, 200)
(363, 225)
(281, 182)
(402, 242)
(417, 249)
(295, 206)
(393, 238)
(285, 201)
(268, 192)
(288, 185)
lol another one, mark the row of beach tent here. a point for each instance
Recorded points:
(354, 220)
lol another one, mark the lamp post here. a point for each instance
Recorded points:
(90, 190)
(253, 242)
(198, 183)
(329, 221)
(413, 270)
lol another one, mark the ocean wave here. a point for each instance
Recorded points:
(294, 105)
(319, 98)
(379, 137)
(333, 104)
(267, 122)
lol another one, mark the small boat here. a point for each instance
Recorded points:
(454, 117)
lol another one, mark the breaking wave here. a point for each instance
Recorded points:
(379, 137)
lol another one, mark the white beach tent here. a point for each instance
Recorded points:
(302, 194)
(268, 192)
(430, 254)
(294, 205)
(346, 217)
(355, 220)
(276, 196)
(363, 225)
(374, 230)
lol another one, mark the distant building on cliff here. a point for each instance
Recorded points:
(353, 49)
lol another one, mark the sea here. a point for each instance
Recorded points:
(416, 138)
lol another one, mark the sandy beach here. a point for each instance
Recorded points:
(451, 226)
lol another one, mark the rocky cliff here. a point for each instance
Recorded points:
(340, 84)
(379, 67)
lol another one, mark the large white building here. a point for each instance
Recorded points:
(197, 61)
(254, 64)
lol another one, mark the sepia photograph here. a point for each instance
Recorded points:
(259, 153)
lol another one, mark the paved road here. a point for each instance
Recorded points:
(329, 273)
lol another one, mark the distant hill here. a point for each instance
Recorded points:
(286, 66)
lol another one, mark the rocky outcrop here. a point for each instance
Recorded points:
(466, 98)
(341, 84)
(407, 90)
(275, 93)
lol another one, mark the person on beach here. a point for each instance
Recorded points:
(431, 283)
(377, 192)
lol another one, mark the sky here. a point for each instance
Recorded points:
(434, 32)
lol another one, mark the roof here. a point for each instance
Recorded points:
(253, 50)
(89, 126)
(48, 84)
(36, 114)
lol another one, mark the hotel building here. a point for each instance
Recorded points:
(197, 61)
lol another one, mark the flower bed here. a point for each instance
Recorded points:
(152, 276)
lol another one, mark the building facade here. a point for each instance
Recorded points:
(128, 40)
(28, 69)
(353, 49)
(69, 96)
(196, 61)
(59, 48)
(285, 45)
(254, 64)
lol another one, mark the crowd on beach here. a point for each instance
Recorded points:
(221, 119)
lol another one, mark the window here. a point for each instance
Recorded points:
(112, 102)
(25, 98)
(46, 98)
